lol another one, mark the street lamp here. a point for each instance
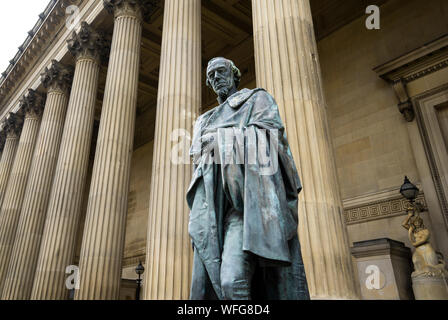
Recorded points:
(139, 270)
(410, 192)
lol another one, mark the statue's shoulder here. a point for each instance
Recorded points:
(261, 92)
(263, 98)
(261, 95)
(251, 92)
(245, 95)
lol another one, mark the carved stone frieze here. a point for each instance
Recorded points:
(380, 209)
(57, 77)
(141, 9)
(88, 43)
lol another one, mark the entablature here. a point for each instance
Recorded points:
(407, 71)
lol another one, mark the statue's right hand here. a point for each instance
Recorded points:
(208, 142)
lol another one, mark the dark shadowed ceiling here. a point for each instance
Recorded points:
(330, 15)
(226, 31)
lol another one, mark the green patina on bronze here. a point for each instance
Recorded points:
(243, 224)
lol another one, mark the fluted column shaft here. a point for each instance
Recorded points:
(287, 66)
(25, 252)
(9, 151)
(104, 231)
(168, 255)
(59, 236)
(15, 191)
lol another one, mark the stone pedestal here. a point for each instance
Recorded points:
(430, 288)
(384, 269)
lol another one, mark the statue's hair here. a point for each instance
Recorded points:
(235, 70)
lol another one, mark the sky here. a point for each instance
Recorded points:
(17, 17)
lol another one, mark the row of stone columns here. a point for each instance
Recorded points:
(104, 231)
(168, 251)
(40, 215)
(287, 66)
(63, 215)
(24, 218)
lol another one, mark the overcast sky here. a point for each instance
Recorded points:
(17, 17)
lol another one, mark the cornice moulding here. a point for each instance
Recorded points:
(56, 51)
(29, 39)
(412, 66)
(417, 63)
(36, 43)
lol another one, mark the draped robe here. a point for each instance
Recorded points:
(265, 192)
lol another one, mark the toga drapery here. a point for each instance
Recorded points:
(265, 192)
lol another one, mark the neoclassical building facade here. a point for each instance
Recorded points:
(103, 94)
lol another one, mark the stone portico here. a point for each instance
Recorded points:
(91, 113)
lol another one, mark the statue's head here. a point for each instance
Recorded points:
(223, 77)
(418, 223)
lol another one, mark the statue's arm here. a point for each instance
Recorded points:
(405, 223)
(411, 236)
(265, 113)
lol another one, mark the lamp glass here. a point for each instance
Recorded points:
(139, 269)
(409, 190)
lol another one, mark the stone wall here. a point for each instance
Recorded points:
(371, 140)
(138, 206)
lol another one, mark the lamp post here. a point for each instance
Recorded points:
(409, 190)
(139, 270)
(429, 276)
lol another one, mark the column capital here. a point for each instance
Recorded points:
(140, 9)
(13, 125)
(33, 104)
(88, 43)
(58, 77)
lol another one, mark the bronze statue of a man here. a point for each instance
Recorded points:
(243, 197)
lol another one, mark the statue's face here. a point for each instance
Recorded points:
(220, 77)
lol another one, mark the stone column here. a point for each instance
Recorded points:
(104, 231)
(25, 252)
(169, 254)
(287, 66)
(32, 106)
(63, 214)
(12, 128)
